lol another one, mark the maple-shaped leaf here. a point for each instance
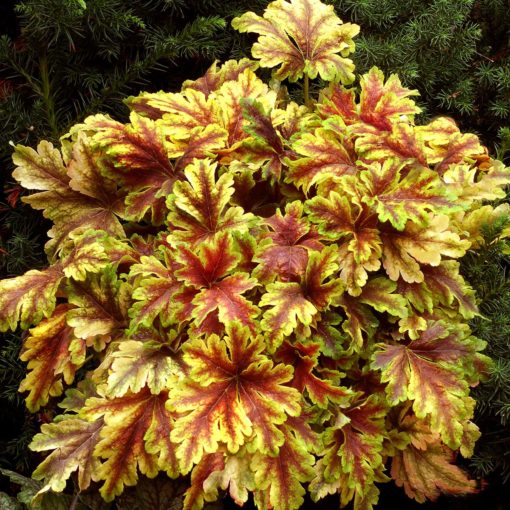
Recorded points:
(285, 254)
(407, 253)
(74, 198)
(425, 467)
(234, 394)
(219, 288)
(229, 100)
(280, 478)
(399, 200)
(101, 305)
(338, 101)
(302, 37)
(292, 302)
(137, 158)
(353, 450)
(199, 208)
(304, 359)
(73, 441)
(382, 102)
(50, 360)
(147, 358)
(26, 299)
(447, 286)
(136, 435)
(424, 372)
(158, 293)
(335, 215)
(324, 153)
(200, 142)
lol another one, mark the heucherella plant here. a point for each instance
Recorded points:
(259, 294)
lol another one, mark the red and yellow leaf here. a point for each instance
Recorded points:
(448, 286)
(280, 478)
(73, 441)
(101, 305)
(294, 301)
(138, 159)
(220, 471)
(229, 101)
(234, 395)
(429, 472)
(184, 110)
(324, 154)
(423, 373)
(380, 294)
(285, 255)
(74, 199)
(148, 358)
(302, 37)
(219, 289)
(402, 143)
(381, 103)
(304, 359)
(49, 352)
(400, 199)
(406, 254)
(26, 299)
(158, 294)
(359, 320)
(353, 451)
(136, 436)
(199, 208)
(461, 148)
(214, 78)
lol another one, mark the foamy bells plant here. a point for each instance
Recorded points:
(261, 294)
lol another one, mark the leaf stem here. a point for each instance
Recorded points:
(47, 97)
(306, 91)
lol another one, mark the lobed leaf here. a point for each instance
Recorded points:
(199, 208)
(53, 354)
(136, 435)
(302, 37)
(73, 441)
(423, 373)
(235, 395)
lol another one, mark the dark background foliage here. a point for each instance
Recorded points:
(60, 62)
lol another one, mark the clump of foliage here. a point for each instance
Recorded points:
(60, 59)
(262, 294)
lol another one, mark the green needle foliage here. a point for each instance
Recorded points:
(487, 270)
